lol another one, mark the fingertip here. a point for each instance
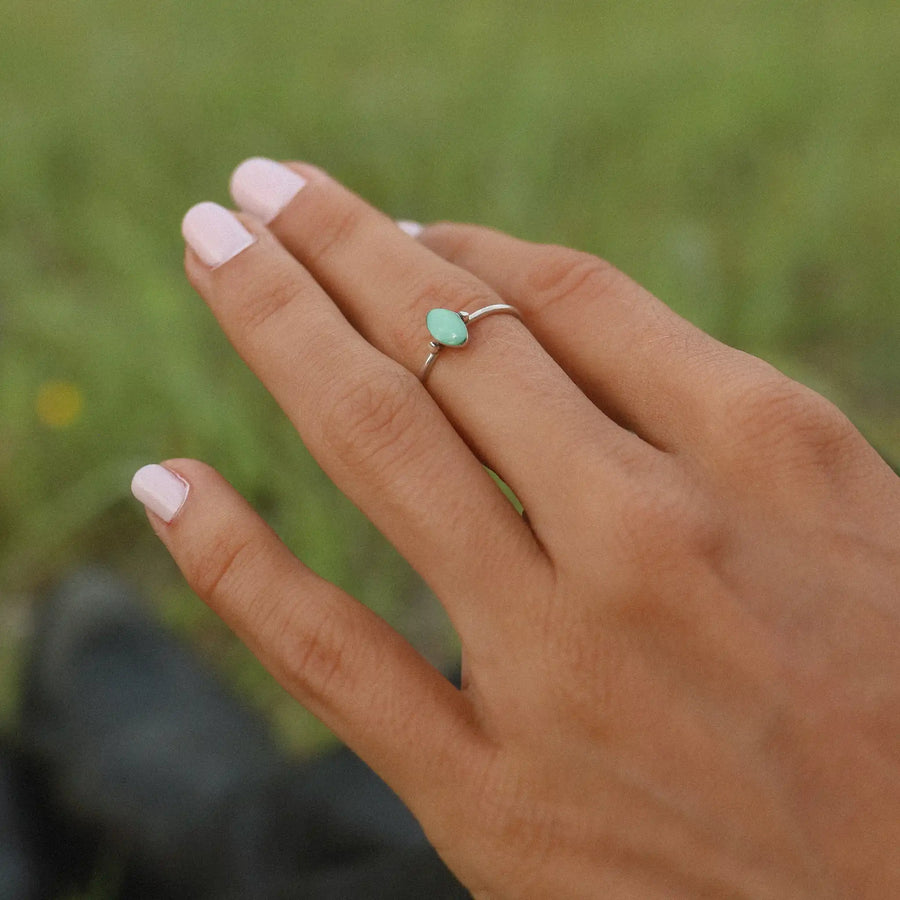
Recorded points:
(165, 488)
(410, 227)
(190, 469)
(162, 490)
(214, 233)
(306, 170)
(264, 187)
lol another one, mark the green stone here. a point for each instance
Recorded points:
(447, 327)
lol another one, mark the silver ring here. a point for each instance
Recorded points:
(451, 329)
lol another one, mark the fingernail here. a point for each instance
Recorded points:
(214, 234)
(413, 229)
(264, 187)
(160, 490)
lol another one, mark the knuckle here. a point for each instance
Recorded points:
(782, 417)
(662, 527)
(368, 421)
(594, 675)
(561, 274)
(506, 806)
(651, 521)
(335, 227)
(218, 572)
(314, 655)
(265, 304)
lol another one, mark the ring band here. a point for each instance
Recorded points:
(450, 329)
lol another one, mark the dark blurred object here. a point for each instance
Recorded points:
(31, 863)
(22, 875)
(181, 787)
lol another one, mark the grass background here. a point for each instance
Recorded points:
(738, 158)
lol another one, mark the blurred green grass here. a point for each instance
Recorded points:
(740, 159)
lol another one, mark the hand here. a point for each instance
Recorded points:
(681, 671)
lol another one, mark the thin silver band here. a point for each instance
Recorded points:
(467, 318)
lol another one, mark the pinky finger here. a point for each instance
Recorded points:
(336, 657)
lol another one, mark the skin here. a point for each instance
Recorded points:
(681, 671)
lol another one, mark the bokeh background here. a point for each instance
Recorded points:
(738, 158)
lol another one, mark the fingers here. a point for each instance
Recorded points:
(336, 657)
(515, 407)
(370, 424)
(644, 365)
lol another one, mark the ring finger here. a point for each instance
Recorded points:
(509, 399)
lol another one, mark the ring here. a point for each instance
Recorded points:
(451, 329)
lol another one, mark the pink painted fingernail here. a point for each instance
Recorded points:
(160, 490)
(413, 229)
(214, 234)
(263, 187)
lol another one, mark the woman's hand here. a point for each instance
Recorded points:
(681, 670)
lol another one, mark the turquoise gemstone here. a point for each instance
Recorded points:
(447, 327)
